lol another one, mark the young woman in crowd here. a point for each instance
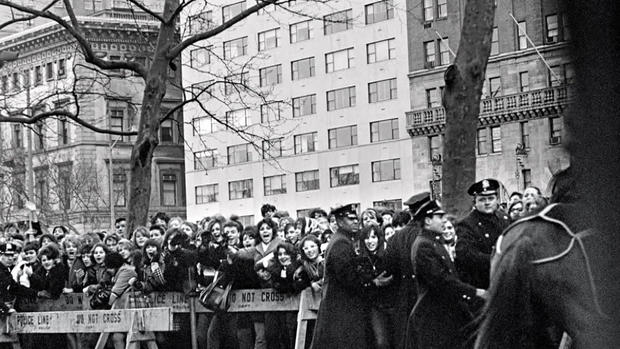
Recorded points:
(125, 271)
(24, 269)
(370, 216)
(98, 274)
(189, 228)
(111, 240)
(515, 210)
(232, 231)
(388, 231)
(73, 264)
(139, 236)
(373, 262)
(59, 232)
(46, 239)
(151, 270)
(449, 235)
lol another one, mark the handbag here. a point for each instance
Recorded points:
(215, 296)
(101, 298)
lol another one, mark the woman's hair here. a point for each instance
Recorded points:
(365, 233)
(111, 236)
(310, 238)
(49, 236)
(271, 223)
(191, 225)
(288, 226)
(176, 219)
(51, 251)
(64, 230)
(290, 250)
(401, 218)
(113, 260)
(176, 236)
(31, 245)
(301, 221)
(538, 191)
(159, 215)
(207, 234)
(249, 230)
(124, 243)
(71, 239)
(141, 230)
(373, 215)
(100, 244)
(234, 222)
(156, 257)
(324, 235)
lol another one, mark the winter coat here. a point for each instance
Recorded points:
(52, 281)
(77, 269)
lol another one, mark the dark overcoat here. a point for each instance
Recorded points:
(477, 234)
(398, 253)
(440, 318)
(342, 317)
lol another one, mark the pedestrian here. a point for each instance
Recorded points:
(441, 316)
(478, 232)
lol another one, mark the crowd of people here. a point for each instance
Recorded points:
(410, 278)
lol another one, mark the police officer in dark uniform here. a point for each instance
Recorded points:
(9, 288)
(398, 253)
(441, 315)
(478, 232)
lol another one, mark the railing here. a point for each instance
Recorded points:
(551, 96)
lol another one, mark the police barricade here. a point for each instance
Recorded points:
(141, 314)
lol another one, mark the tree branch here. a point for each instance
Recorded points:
(177, 11)
(147, 10)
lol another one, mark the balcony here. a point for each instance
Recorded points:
(520, 106)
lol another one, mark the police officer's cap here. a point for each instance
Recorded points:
(344, 211)
(7, 248)
(487, 186)
(416, 201)
(429, 207)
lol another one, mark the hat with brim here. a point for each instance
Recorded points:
(416, 201)
(7, 249)
(429, 208)
(487, 186)
(344, 211)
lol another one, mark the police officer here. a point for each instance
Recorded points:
(398, 253)
(441, 314)
(9, 288)
(478, 232)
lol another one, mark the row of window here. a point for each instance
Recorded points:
(384, 170)
(169, 188)
(303, 143)
(20, 80)
(332, 23)
(489, 139)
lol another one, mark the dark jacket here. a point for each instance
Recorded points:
(342, 318)
(369, 266)
(75, 274)
(477, 234)
(399, 263)
(52, 281)
(282, 278)
(9, 288)
(440, 316)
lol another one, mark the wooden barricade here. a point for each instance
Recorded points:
(141, 314)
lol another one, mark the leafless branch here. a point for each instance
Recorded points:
(147, 10)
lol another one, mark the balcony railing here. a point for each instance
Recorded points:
(519, 102)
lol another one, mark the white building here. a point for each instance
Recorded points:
(339, 133)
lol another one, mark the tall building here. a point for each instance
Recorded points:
(316, 102)
(526, 92)
(80, 176)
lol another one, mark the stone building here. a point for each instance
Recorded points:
(71, 164)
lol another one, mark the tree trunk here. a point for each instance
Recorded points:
(464, 80)
(148, 127)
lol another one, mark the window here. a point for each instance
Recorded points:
(270, 75)
(93, 5)
(304, 212)
(61, 69)
(63, 131)
(337, 22)
(555, 131)
(200, 57)
(49, 71)
(522, 36)
(5, 84)
(119, 182)
(525, 134)
(26, 77)
(342, 136)
(236, 83)
(307, 180)
(200, 22)
(236, 119)
(495, 42)
(526, 174)
(116, 112)
(64, 186)
(383, 130)
(238, 154)
(444, 51)
(482, 141)
(236, 48)
(247, 220)
(300, 31)
(553, 30)
(275, 185)
(241, 189)
(305, 142)
(38, 76)
(496, 139)
(303, 68)
(16, 84)
(18, 141)
(429, 10)
(429, 54)
(232, 10)
(169, 190)
(272, 148)
(379, 11)
(39, 130)
(339, 60)
(268, 39)
(205, 159)
(344, 175)
(206, 125)
(41, 188)
(206, 193)
(434, 147)
(270, 112)
(386, 170)
(304, 105)
(524, 81)
(341, 98)
(380, 51)
(394, 204)
(442, 8)
(382, 90)
(495, 86)
(565, 27)
(432, 98)
(166, 131)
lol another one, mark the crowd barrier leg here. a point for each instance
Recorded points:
(307, 304)
(10, 339)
